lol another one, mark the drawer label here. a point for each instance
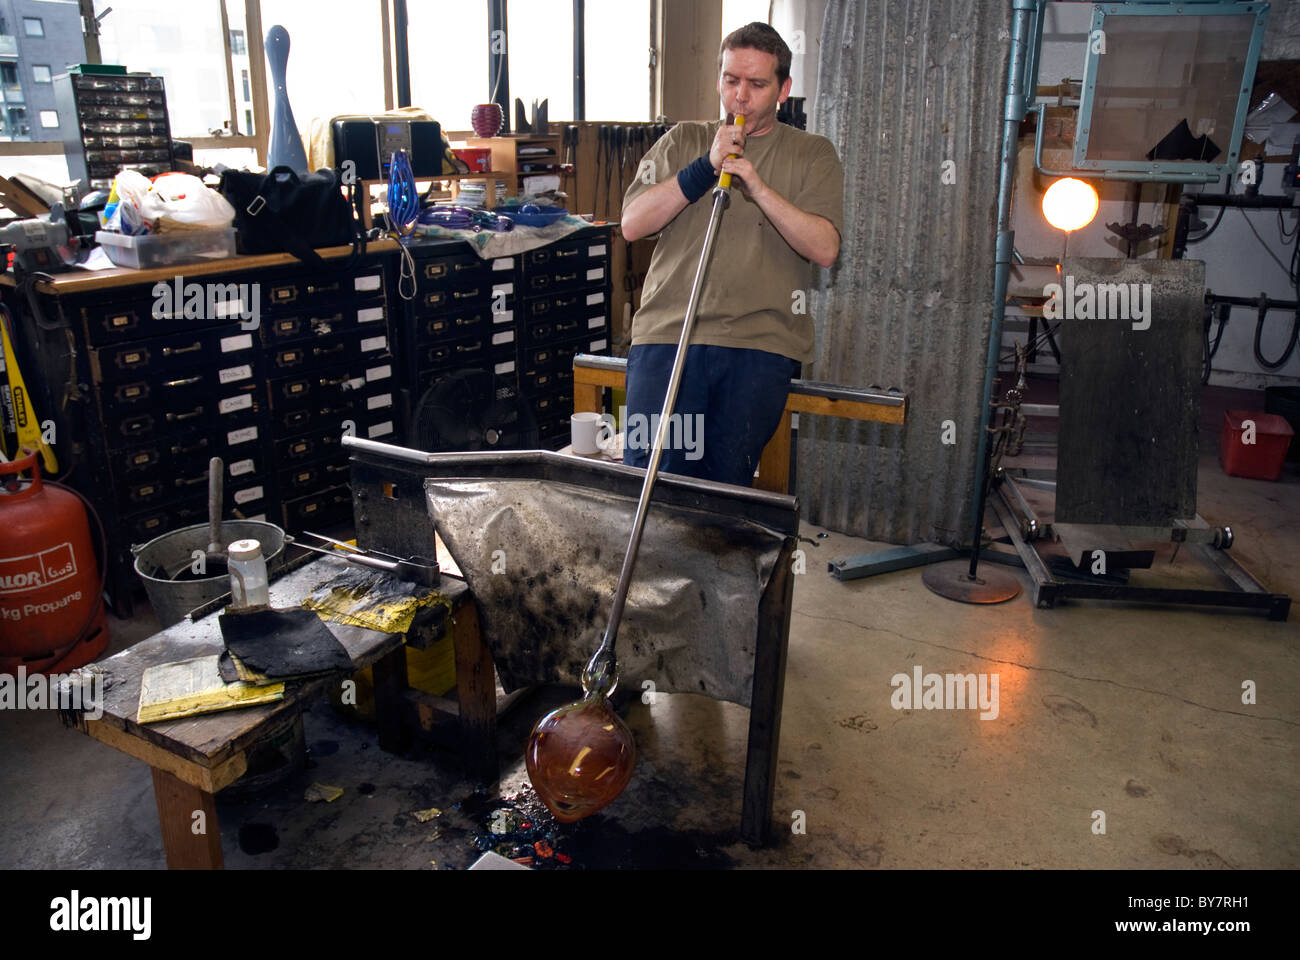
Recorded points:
(368, 283)
(379, 402)
(236, 437)
(247, 496)
(503, 316)
(373, 343)
(379, 373)
(208, 301)
(595, 298)
(380, 429)
(370, 314)
(598, 345)
(505, 336)
(242, 402)
(597, 273)
(507, 367)
(596, 323)
(241, 342)
(356, 383)
(231, 374)
(503, 263)
(596, 250)
(503, 288)
(241, 467)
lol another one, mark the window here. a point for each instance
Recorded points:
(737, 13)
(540, 34)
(50, 119)
(248, 95)
(617, 59)
(238, 46)
(41, 73)
(18, 128)
(320, 83)
(186, 50)
(33, 27)
(8, 73)
(248, 122)
(462, 53)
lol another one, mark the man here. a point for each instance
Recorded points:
(752, 330)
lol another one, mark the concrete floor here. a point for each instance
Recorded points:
(1133, 711)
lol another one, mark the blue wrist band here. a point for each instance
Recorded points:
(696, 179)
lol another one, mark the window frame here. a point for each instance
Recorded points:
(394, 33)
(49, 71)
(39, 21)
(42, 114)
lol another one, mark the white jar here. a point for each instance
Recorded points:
(248, 580)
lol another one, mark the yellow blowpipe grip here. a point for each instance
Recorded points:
(724, 181)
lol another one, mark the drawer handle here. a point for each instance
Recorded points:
(337, 468)
(188, 381)
(196, 412)
(467, 348)
(193, 481)
(321, 351)
(465, 295)
(201, 445)
(462, 267)
(468, 321)
(337, 382)
(323, 288)
(565, 277)
(176, 351)
(565, 302)
(561, 254)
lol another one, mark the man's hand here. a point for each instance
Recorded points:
(728, 140)
(742, 170)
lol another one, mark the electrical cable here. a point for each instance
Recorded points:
(1280, 264)
(403, 209)
(1281, 229)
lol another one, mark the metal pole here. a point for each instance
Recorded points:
(403, 53)
(1013, 114)
(499, 59)
(579, 61)
(600, 672)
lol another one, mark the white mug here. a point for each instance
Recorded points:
(593, 433)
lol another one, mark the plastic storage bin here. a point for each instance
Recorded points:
(165, 249)
(1261, 460)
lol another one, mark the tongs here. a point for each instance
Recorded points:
(419, 570)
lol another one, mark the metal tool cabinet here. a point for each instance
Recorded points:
(522, 317)
(141, 402)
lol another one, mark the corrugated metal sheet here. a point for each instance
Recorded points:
(903, 86)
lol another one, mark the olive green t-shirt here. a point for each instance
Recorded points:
(756, 290)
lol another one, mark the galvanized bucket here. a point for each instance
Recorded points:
(174, 552)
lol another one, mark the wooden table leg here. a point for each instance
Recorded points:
(389, 673)
(476, 691)
(178, 804)
(771, 647)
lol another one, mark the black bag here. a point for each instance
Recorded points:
(281, 211)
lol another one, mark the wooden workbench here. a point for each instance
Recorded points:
(193, 758)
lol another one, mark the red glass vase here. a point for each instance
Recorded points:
(486, 119)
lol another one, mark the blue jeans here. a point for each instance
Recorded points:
(729, 405)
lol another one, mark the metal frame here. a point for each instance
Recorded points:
(391, 515)
(1167, 171)
(1023, 527)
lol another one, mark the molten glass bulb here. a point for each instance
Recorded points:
(1070, 204)
(580, 758)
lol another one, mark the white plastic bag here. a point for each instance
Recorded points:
(180, 201)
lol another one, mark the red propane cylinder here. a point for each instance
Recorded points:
(49, 578)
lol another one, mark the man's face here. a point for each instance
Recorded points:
(748, 87)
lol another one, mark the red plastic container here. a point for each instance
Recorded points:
(51, 617)
(479, 159)
(1262, 459)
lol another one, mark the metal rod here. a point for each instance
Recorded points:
(579, 61)
(600, 672)
(402, 53)
(1013, 113)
